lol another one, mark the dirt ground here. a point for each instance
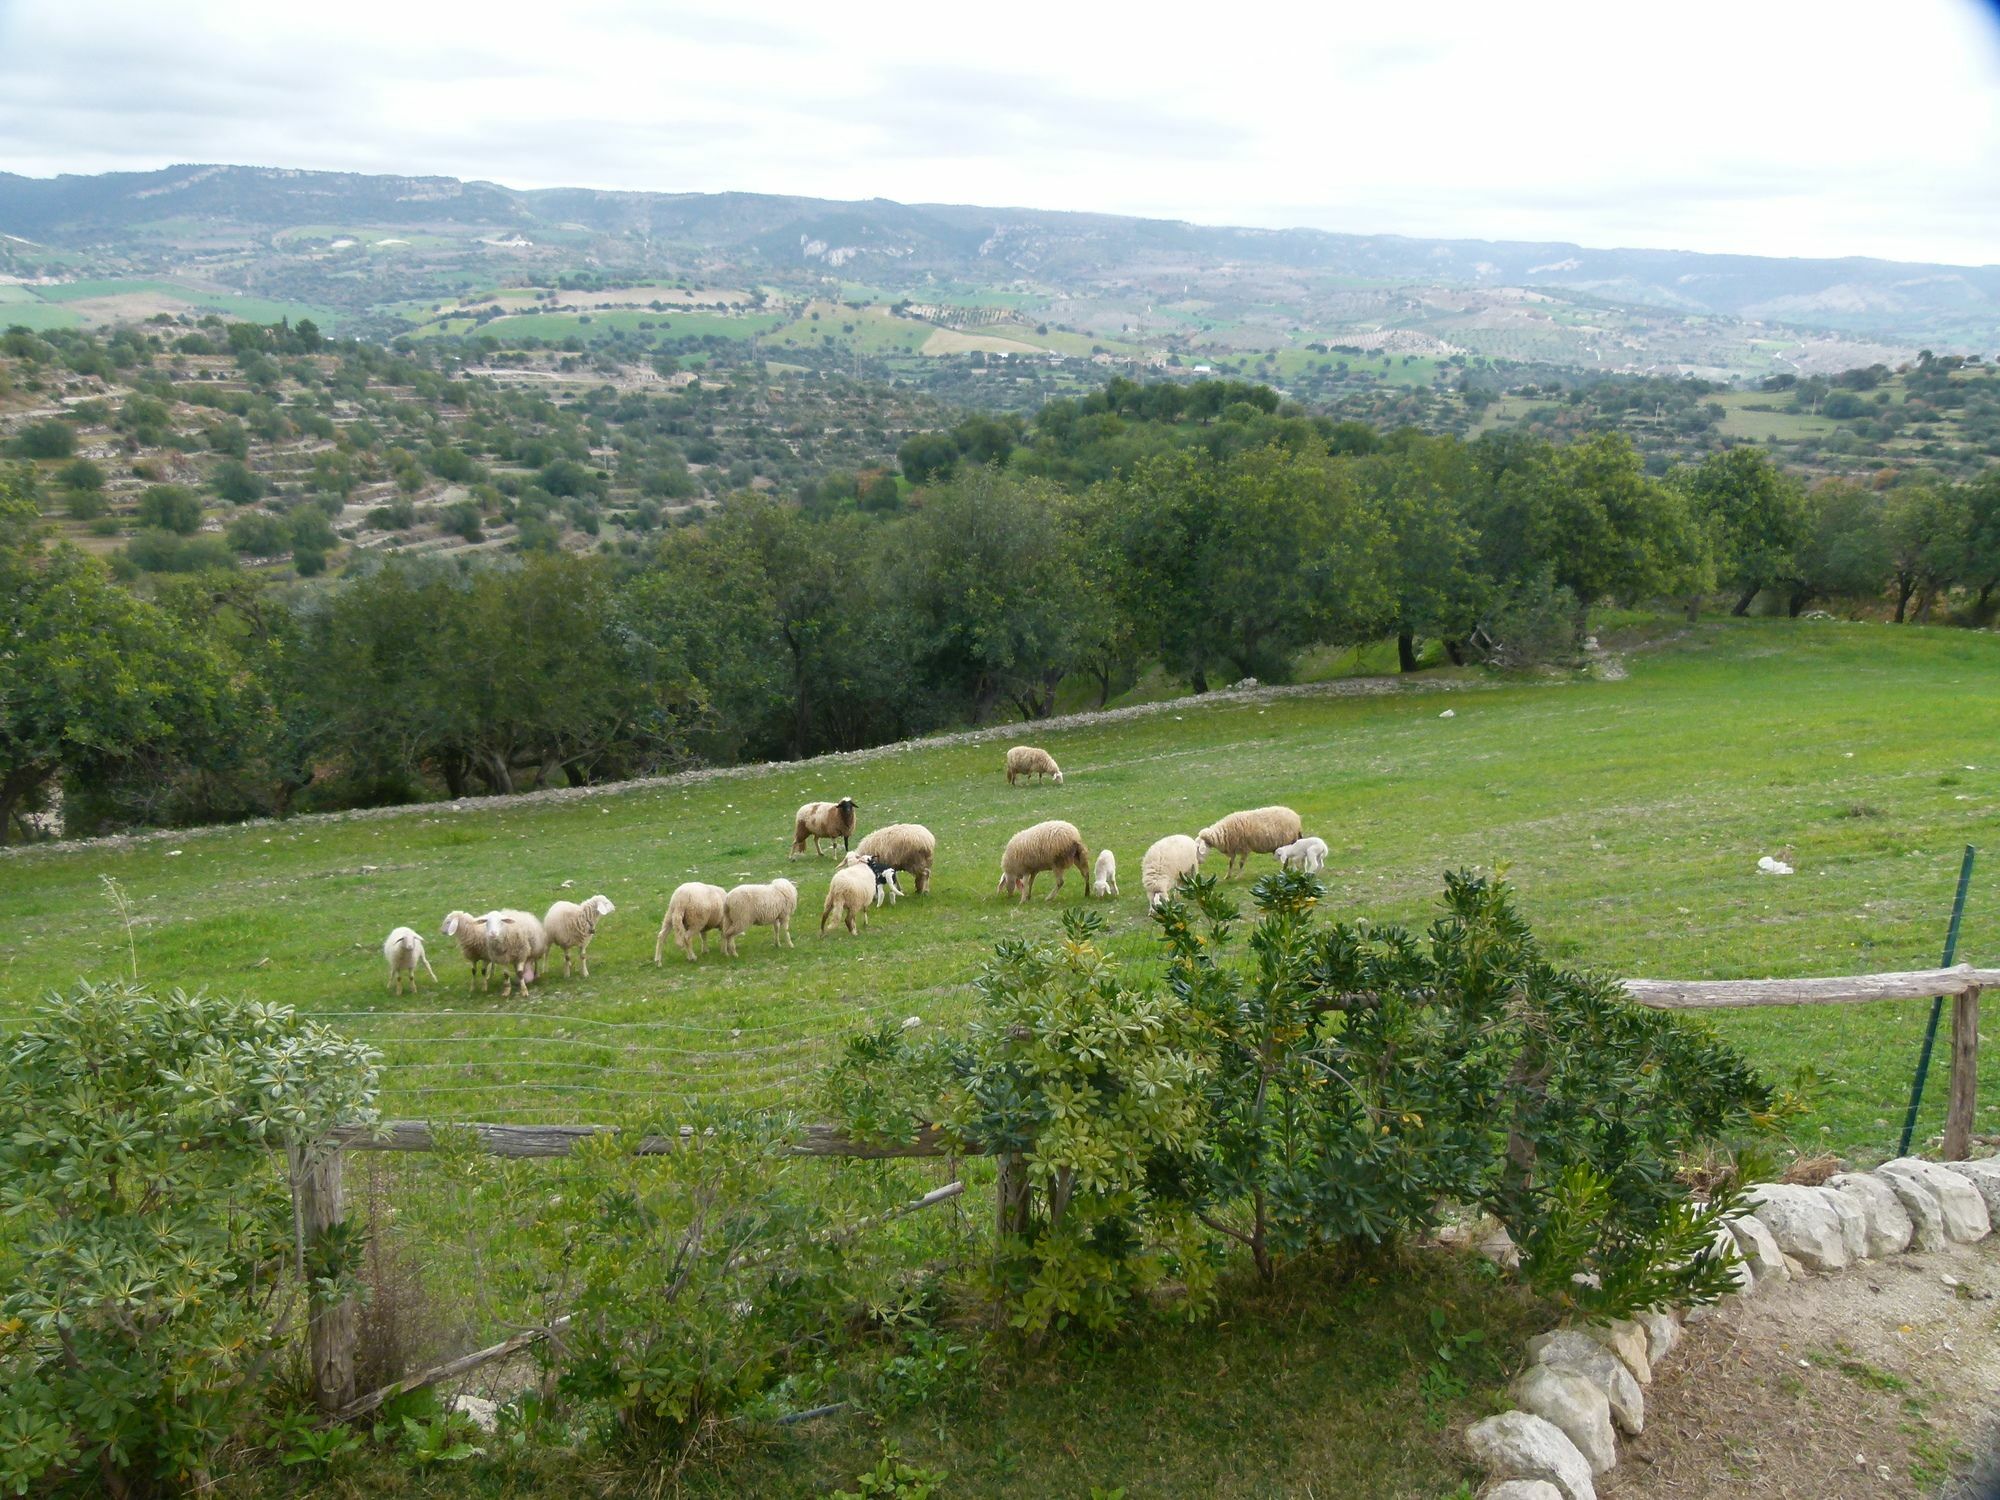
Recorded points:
(1881, 1380)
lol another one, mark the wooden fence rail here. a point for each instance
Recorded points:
(335, 1327)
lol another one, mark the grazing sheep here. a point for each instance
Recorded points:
(823, 820)
(572, 925)
(850, 892)
(471, 935)
(1054, 846)
(405, 950)
(1164, 864)
(1261, 830)
(907, 846)
(751, 906)
(1104, 879)
(1308, 854)
(1032, 760)
(516, 942)
(693, 911)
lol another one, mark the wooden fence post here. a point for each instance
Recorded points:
(1960, 1114)
(333, 1327)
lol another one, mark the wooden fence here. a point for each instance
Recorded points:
(334, 1326)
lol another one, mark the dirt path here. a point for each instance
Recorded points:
(1881, 1380)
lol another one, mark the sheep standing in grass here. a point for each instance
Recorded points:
(693, 911)
(405, 950)
(1163, 866)
(850, 893)
(1261, 830)
(471, 934)
(823, 820)
(1052, 847)
(517, 942)
(751, 906)
(886, 888)
(1308, 854)
(1032, 760)
(1104, 879)
(571, 924)
(908, 847)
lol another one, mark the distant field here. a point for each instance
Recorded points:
(1630, 815)
(74, 304)
(1760, 426)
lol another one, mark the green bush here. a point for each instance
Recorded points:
(171, 507)
(53, 438)
(151, 1258)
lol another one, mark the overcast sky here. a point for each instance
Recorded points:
(1779, 128)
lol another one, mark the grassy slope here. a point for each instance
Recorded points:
(1631, 815)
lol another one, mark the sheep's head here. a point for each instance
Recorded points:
(493, 925)
(601, 905)
(1057, 778)
(1200, 850)
(452, 922)
(845, 806)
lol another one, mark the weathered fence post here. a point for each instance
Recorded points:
(1963, 1109)
(333, 1327)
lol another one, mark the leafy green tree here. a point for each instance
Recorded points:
(233, 480)
(1755, 515)
(1982, 539)
(171, 507)
(53, 438)
(927, 457)
(258, 533)
(1927, 522)
(1426, 491)
(82, 475)
(1844, 551)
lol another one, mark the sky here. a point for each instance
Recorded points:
(1757, 126)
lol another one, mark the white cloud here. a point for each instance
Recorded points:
(1770, 127)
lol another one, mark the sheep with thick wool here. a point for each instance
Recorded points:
(1308, 854)
(909, 847)
(1104, 877)
(849, 893)
(1260, 830)
(405, 950)
(1164, 864)
(823, 820)
(572, 924)
(517, 942)
(693, 911)
(749, 906)
(1052, 847)
(1032, 760)
(470, 932)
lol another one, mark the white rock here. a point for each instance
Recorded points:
(1663, 1331)
(1567, 1349)
(1772, 866)
(483, 1414)
(1803, 1223)
(1521, 1489)
(1965, 1216)
(1572, 1403)
(1449, 713)
(1743, 1280)
(1983, 1174)
(1627, 1340)
(1921, 1204)
(1853, 1226)
(1758, 1249)
(1882, 1213)
(1520, 1445)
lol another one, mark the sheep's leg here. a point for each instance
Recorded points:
(660, 946)
(583, 957)
(1028, 889)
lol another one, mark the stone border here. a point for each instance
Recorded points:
(1584, 1385)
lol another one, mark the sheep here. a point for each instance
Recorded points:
(1308, 854)
(1052, 846)
(405, 950)
(909, 847)
(570, 925)
(1032, 760)
(885, 881)
(823, 820)
(471, 935)
(1163, 866)
(517, 942)
(693, 911)
(849, 893)
(750, 906)
(1261, 830)
(1104, 879)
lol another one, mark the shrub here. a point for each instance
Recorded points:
(53, 438)
(151, 1258)
(171, 507)
(84, 504)
(233, 481)
(81, 474)
(258, 533)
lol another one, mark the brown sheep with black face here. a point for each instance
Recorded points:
(823, 820)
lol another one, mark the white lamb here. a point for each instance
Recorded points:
(1104, 879)
(749, 906)
(517, 942)
(405, 950)
(1307, 854)
(572, 924)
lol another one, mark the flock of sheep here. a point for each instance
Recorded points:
(869, 873)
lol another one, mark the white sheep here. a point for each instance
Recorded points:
(749, 906)
(572, 924)
(822, 820)
(1308, 854)
(1104, 879)
(693, 911)
(1165, 863)
(405, 950)
(850, 893)
(1260, 830)
(517, 942)
(1053, 846)
(471, 934)
(1032, 760)
(909, 847)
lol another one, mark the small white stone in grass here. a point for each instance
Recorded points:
(1449, 713)
(175, 853)
(912, 1021)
